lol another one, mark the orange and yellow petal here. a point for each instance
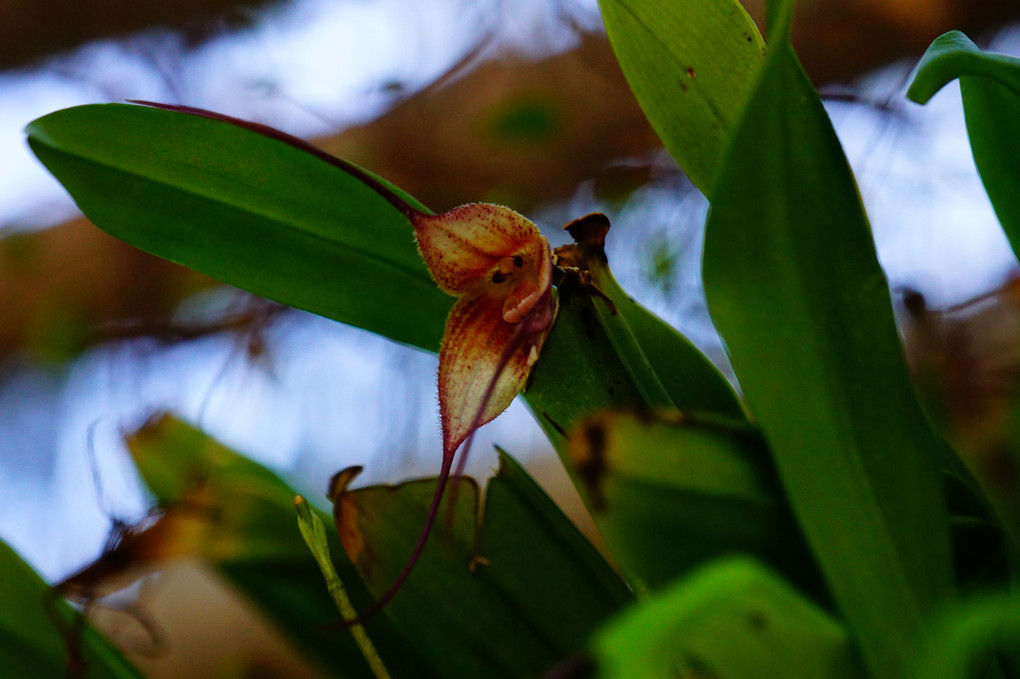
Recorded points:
(463, 247)
(477, 341)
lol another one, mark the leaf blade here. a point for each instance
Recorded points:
(246, 209)
(691, 66)
(730, 619)
(709, 490)
(510, 597)
(990, 87)
(795, 288)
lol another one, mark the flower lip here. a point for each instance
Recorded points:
(533, 279)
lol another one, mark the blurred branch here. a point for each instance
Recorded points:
(35, 28)
(58, 285)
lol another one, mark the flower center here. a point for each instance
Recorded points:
(508, 269)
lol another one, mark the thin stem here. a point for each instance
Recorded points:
(437, 498)
(314, 534)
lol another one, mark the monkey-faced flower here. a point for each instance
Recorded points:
(499, 267)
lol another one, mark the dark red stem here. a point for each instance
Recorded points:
(531, 324)
(437, 498)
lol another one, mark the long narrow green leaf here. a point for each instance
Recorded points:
(953, 55)
(246, 209)
(990, 86)
(796, 290)
(691, 66)
(731, 619)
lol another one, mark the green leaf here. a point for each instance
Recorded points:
(609, 352)
(511, 597)
(990, 86)
(968, 638)
(796, 290)
(239, 517)
(579, 372)
(708, 490)
(953, 55)
(689, 380)
(691, 66)
(31, 643)
(732, 619)
(274, 219)
(247, 209)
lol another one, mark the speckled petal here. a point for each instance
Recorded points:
(476, 342)
(463, 247)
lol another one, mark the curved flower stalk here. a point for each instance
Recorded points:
(499, 267)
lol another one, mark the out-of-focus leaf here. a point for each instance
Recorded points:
(508, 598)
(247, 209)
(239, 516)
(796, 290)
(691, 66)
(990, 86)
(670, 492)
(965, 643)
(732, 619)
(31, 643)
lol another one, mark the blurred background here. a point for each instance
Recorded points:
(518, 103)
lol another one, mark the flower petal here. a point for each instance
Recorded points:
(477, 345)
(463, 246)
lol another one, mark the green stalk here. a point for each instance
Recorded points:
(314, 534)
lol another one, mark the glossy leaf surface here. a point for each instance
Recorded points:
(731, 619)
(246, 209)
(691, 66)
(513, 604)
(990, 86)
(796, 290)
(31, 644)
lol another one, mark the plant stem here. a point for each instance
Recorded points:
(314, 534)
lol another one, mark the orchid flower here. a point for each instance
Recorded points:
(499, 267)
